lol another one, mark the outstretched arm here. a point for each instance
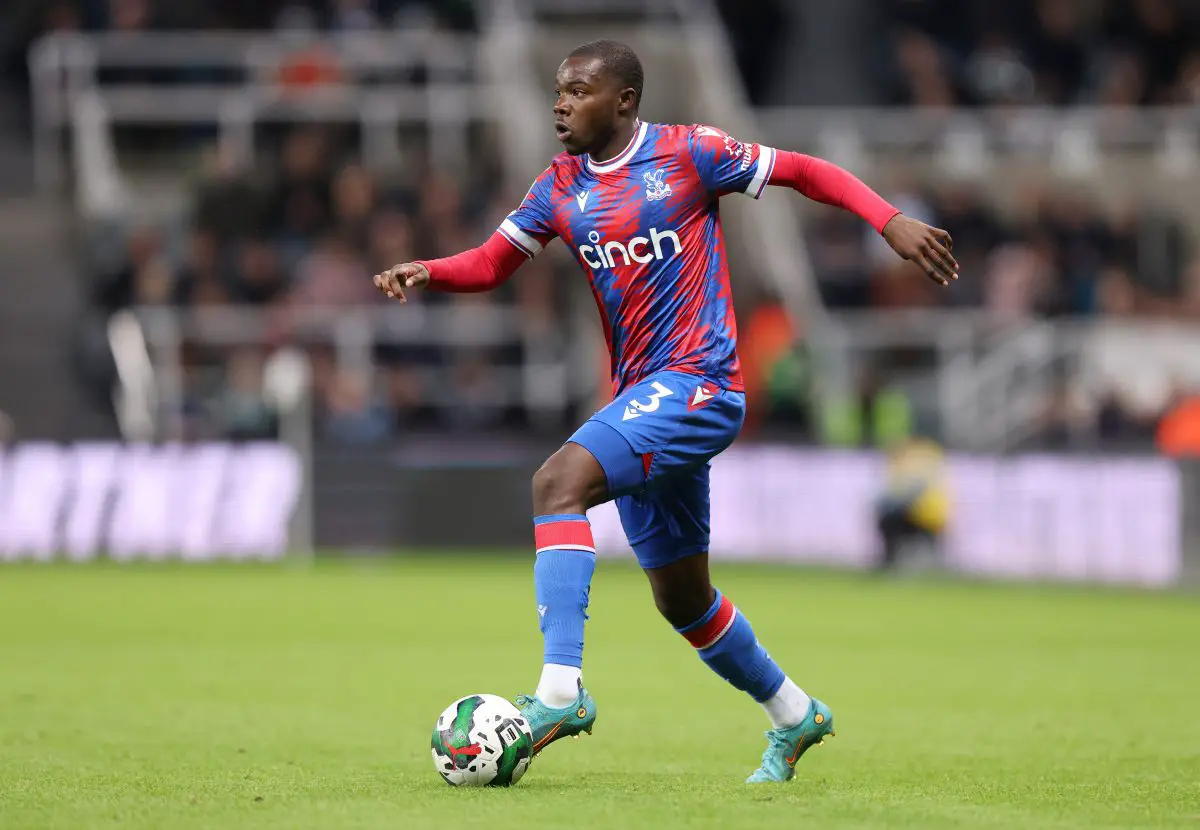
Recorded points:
(829, 184)
(726, 165)
(825, 182)
(521, 236)
(479, 269)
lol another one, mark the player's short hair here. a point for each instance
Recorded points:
(619, 60)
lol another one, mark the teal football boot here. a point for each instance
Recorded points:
(548, 725)
(785, 746)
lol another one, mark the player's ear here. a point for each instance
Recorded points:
(627, 101)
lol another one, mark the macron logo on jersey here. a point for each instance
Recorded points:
(703, 396)
(581, 199)
(605, 254)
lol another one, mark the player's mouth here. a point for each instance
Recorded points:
(562, 130)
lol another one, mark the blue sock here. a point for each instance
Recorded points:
(725, 641)
(562, 575)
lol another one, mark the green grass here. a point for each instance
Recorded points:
(258, 697)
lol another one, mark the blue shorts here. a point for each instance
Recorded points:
(655, 442)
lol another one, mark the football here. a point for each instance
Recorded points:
(481, 741)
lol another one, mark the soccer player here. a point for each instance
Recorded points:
(636, 203)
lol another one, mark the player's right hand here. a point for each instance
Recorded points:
(394, 280)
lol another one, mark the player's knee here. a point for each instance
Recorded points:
(570, 481)
(682, 604)
(555, 489)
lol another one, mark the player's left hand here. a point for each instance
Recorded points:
(927, 246)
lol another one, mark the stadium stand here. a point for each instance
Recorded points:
(316, 219)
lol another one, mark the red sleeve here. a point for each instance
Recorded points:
(479, 269)
(829, 184)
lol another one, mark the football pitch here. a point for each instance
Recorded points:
(304, 697)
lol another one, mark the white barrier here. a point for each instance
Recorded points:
(201, 502)
(1035, 517)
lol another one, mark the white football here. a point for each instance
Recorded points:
(482, 741)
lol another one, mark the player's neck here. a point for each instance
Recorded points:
(621, 138)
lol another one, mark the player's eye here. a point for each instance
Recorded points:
(578, 93)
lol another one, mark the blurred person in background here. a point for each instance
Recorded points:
(391, 240)
(354, 411)
(332, 276)
(260, 279)
(353, 16)
(961, 209)
(475, 391)
(841, 262)
(1019, 276)
(354, 205)
(143, 274)
(391, 237)
(770, 338)
(243, 411)
(299, 199)
(440, 215)
(792, 404)
(912, 511)
(309, 63)
(201, 279)
(227, 202)
(1125, 420)
(876, 414)
(1157, 31)
(1178, 433)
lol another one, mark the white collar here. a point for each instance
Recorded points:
(618, 161)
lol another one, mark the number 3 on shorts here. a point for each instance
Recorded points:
(652, 405)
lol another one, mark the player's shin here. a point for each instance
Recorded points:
(566, 560)
(725, 641)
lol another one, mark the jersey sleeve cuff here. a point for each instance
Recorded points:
(762, 172)
(521, 240)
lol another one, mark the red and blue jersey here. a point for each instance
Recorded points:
(645, 228)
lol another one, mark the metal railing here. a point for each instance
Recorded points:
(991, 383)
(541, 383)
(73, 88)
(1073, 140)
(371, 89)
(781, 255)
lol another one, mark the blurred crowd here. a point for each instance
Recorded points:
(26, 19)
(309, 227)
(1055, 252)
(1057, 52)
(23, 22)
(952, 53)
(308, 232)
(306, 235)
